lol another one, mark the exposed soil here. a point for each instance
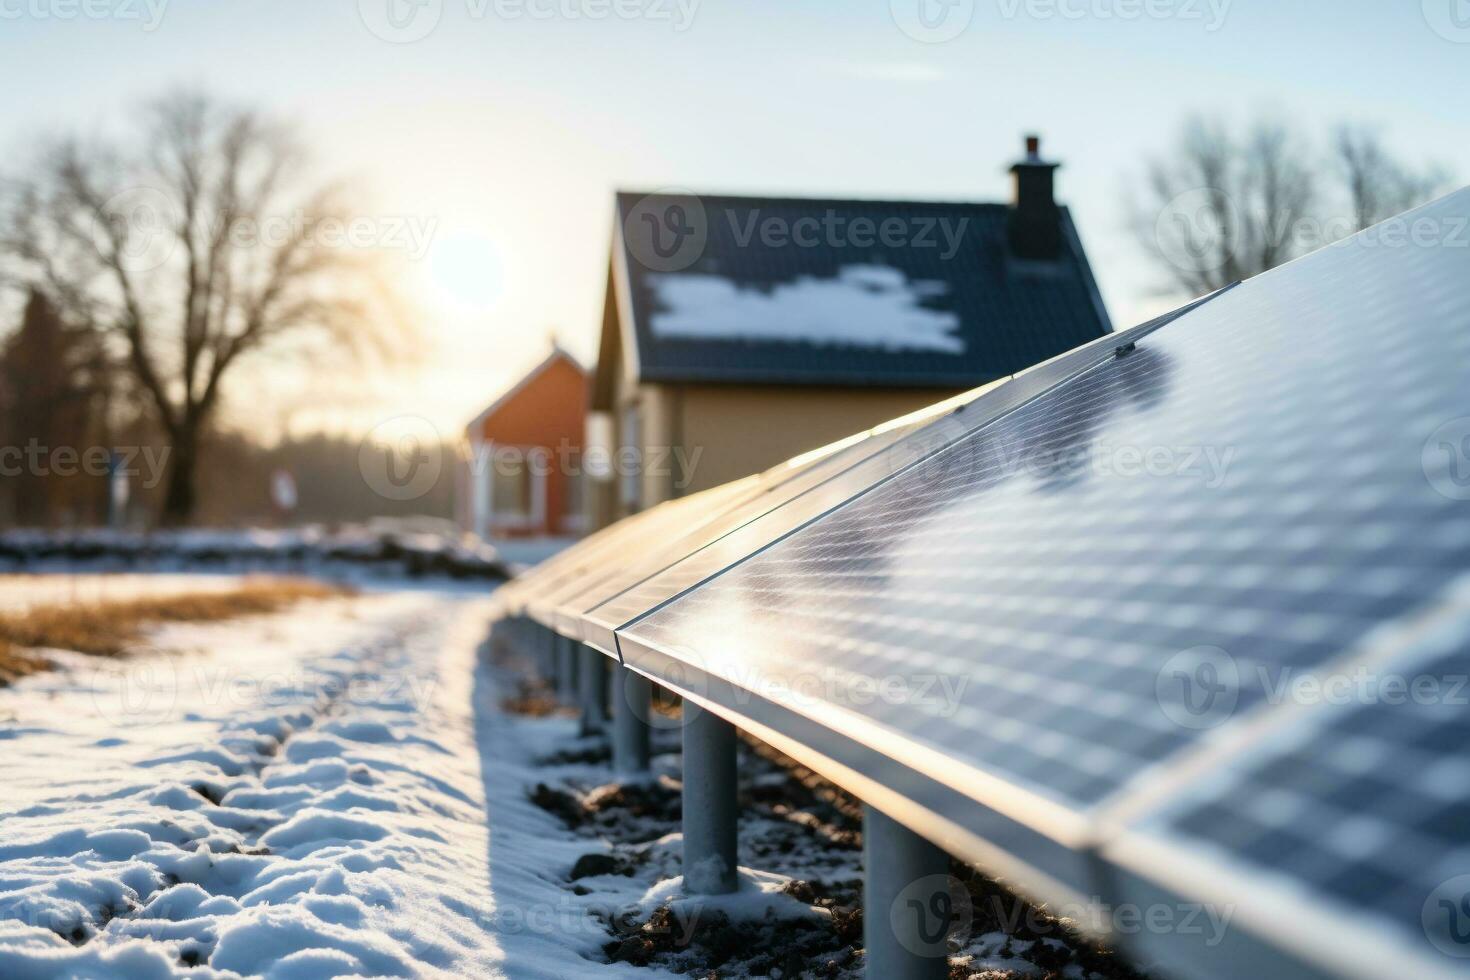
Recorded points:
(796, 824)
(714, 946)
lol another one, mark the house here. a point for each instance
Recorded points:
(521, 475)
(741, 331)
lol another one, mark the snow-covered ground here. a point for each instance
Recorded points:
(326, 792)
(352, 788)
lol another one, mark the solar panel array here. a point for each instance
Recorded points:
(1127, 626)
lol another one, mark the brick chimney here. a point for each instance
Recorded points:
(1035, 225)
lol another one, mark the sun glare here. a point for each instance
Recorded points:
(465, 271)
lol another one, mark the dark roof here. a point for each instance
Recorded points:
(941, 303)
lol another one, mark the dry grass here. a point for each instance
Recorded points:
(535, 702)
(110, 629)
(17, 663)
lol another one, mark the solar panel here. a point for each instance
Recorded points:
(641, 586)
(774, 488)
(1248, 492)
(1352, 800)
(540, 591)
(683, 538)
(532, 586)
(630, 536)
(678, 522)
(514, 596)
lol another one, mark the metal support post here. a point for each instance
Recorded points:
(592, 688)
(566, 669)
(710, 808)
(632, 700)
(906, 902)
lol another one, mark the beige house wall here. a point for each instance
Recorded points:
(656, 410)
(694, 437)
(654, 440)
(728, 432)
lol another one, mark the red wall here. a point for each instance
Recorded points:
(550, 411)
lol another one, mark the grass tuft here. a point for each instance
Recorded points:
(17, 663)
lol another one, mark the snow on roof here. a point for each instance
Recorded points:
(807, 312)
(873, 306)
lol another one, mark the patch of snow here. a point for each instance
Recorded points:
(759, 896)
(872, 306)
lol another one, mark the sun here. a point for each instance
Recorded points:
(466, 271)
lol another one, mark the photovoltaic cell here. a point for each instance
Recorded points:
(736, 533)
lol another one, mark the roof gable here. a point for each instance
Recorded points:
(556, 361)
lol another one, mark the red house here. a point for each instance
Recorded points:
(522, 475)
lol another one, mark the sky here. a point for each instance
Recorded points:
(497, 130)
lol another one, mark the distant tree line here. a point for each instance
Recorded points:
(1227, 203)
(55, 391)
(68, 416)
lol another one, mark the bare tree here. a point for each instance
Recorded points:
(1223, 207)
(191, 249)
(1377, 186)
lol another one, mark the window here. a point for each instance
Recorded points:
(511, 491)
(517, 480)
